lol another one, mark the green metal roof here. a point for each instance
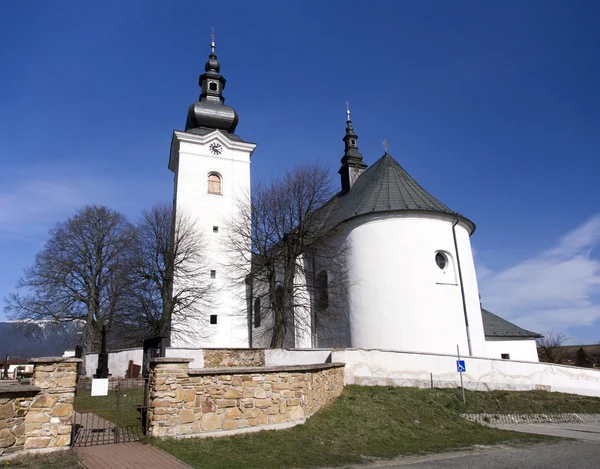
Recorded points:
(496, 327)
(384, 187)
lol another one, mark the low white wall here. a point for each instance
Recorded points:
(197, 355)
(522, 350)
(276, 357)
(91, 364)
(118, 361)
(391, 368)
(403, 368)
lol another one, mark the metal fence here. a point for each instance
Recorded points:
(118, 417)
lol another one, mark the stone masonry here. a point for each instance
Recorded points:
(186, 402)
(221, 358)
(532, 418)
(38, 417)
(15, 400)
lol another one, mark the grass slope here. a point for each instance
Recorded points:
(363, 424)
(529, 402)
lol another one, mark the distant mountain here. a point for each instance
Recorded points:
(29, 340)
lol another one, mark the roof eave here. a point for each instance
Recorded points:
(533, 335)
(469, 225)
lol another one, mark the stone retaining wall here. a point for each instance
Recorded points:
(532, 418)
(37, 417)
(212, 402)
(14, 404)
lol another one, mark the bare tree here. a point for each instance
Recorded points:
(79, 276)
(167, 269)
(550, 347)
(280, 238)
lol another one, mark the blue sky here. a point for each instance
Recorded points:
(494, 107)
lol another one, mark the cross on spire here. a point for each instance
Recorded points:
(347, 111)
(212, 42)
(385, 145)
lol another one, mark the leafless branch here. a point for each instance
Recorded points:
(550, 347)
(280, 237)
(79, 276)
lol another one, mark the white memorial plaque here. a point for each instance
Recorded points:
(100, 387)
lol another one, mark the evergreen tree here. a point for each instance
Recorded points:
(583, 359)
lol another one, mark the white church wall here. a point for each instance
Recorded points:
(284, 357)
(471, 288)
(300, 334)
(302, 306)
(399, 368)
(332, 324)
(261, 335)
(396, 297)
(520, 349)
(195, 163)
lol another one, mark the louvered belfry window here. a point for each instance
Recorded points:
(214, 184)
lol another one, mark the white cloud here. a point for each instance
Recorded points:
(556, 289)
(33, 200)
(28, 207)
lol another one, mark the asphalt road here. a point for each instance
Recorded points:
(567, 454)
(580, 431)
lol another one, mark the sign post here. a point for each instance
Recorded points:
(461, 368)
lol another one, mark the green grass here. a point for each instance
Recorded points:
(529, 402)
(59, 460)
(105, 406)
(365, 423)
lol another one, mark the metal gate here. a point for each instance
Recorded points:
(118, 417)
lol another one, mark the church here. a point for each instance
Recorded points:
(413, 282)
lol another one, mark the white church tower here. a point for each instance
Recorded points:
(211, 167)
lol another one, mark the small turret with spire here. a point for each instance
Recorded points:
(352, 161)
(210, 111)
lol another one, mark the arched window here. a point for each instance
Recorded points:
(441, 260)
(279, 297)
(257, 312)
(214, 184)
(445, 273)
(322, 290)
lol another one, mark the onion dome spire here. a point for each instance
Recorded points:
(352, 161)
(210, 111)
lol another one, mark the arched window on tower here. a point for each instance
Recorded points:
(322, 290)
(215, 185)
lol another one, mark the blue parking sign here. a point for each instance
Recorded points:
(460, 366)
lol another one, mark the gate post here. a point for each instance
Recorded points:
(165, 394)
(48, 421)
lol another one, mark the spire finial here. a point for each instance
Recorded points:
(347, 111)
(385, 145)
(212, 42)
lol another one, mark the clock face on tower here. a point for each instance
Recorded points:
(215, 148)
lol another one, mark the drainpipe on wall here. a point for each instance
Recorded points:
(313, 311)
(250, 296)
(462, 289)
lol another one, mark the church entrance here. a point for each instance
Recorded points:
(117, 417)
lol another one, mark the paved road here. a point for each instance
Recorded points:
(572, 454)
(580, 431)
